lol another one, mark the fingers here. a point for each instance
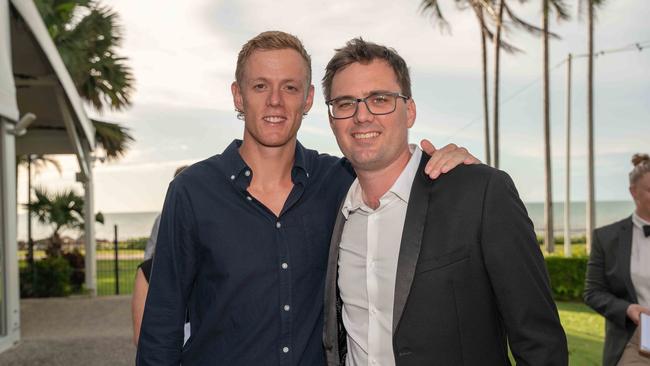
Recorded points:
(427, 147)
(441, 158)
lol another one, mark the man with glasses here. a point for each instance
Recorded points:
(444, 272)
(244, 235)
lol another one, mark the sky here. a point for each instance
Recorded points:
(183, 55)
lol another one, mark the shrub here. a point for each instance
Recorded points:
(49, 277)
(567, 277)
(78, 266)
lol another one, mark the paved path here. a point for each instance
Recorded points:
(74, 331)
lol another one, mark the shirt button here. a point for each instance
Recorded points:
(285, 349)
(278, 225)
(232, 177)
(285, 266)
(287, 308)
(247, 173)
(249, 198)
(307, 175)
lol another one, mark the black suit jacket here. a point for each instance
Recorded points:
(470, 278)
(608, 288)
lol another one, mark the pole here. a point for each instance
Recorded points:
(549, 235)
(590, 132)
(30, 240)
(567, 198)
(117, 267)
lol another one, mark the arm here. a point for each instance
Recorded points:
(172, 277)
(518, 275)
(597, 293)
(445, 159)
(140, 289)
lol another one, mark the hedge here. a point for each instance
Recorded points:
(567, 277)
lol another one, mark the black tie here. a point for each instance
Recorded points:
(646, 230)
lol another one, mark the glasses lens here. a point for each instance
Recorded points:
(381, 103)
(343, 108)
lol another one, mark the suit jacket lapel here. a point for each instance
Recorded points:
(624, 255)
(409, 252)
(330, 298)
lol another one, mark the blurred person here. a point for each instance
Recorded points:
(424, 272)
(618, 273)
(141, 285)
(244, 235)
(151, 242)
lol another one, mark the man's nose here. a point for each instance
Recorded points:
(363, 114)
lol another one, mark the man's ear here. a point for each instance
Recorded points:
(309, 101)
(410, 112)
(237, 98)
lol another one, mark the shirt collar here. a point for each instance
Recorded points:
(638, 221)
(401, 188)
(237, 170)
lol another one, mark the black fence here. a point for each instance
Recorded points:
(117, 263)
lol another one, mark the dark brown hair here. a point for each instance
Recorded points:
(358, 50)
(641, 164)
(271, 40)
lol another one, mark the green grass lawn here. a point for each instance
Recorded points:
(585, 330)
(106, 276)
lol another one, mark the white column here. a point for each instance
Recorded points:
(89, 225)
(10, 304)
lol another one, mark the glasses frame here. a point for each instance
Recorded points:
(364, 100)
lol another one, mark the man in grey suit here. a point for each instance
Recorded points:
(444, 272)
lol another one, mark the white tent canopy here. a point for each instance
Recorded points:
(33, 79)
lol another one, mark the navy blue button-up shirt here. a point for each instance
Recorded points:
(251, 281)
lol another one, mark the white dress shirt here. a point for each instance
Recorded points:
(640, 261)
(368, 255)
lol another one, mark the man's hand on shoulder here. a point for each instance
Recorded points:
(445, 159)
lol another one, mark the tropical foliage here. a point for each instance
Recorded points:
(61, 210)
(87, 35)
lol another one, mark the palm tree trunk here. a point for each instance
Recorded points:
(486, 116)
(548, 200)
(497, 51)
(590, 130)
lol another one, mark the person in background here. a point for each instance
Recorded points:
(141, 286)
(618, 273)
(151, 242)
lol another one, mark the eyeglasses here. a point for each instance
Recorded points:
(377, 104)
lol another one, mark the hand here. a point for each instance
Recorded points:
(634, 312)
(445, 159)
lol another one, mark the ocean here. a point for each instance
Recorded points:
(138, 224)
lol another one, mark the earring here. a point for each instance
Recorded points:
(240, 114)
(304, 114)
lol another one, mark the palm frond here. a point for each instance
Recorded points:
(432, 7)
(113, 138)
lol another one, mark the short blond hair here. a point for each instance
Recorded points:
(641, 164)
(271, 40)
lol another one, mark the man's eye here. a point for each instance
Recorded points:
(344, 104)
(379, 99)
(291, 88)
(259, 86)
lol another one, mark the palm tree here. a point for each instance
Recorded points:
(591, 4)
(87, 35)
(560, 9)
(60, 210)
(38, 163)
(479, 7)
(500, 13)
(113, 138)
